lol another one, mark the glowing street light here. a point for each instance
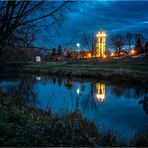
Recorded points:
(112, 54)
(78, 45)
(104, 56)
(133, 51)
(89, 55)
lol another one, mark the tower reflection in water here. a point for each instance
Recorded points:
(100, 92)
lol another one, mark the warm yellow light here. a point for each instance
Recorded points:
(100, 92)
(101, 34)
(100, 43)
(89, 55)
(133, 51)
(112, 54)
(104, 56)
(121, 53)
(100, 97)
(78, 91)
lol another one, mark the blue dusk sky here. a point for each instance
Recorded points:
(89, 16)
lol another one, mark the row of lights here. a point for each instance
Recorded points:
(112, 54)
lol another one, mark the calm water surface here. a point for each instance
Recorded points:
(111, 106)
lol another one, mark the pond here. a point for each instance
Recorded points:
(121, 107)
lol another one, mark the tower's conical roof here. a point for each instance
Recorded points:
(101, 33)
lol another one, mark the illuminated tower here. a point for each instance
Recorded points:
(100, 91)
(101, 43)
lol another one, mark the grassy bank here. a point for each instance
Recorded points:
(21, 125)
(135, 71)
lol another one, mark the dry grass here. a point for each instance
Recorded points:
(23, 126)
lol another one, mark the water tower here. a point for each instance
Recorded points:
(101, 44)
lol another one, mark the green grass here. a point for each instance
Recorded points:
(133, 66)
(131, 71)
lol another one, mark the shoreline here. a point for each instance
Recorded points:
(115, 76)
(48, 129)
(32, 127)
(134, 72)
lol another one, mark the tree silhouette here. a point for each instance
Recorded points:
(15, 16)
(146, 50)
(118, 42)
(59, 51)
(129, 39)
(138, 45)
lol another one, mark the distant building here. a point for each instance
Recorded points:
(38, 78)
(101, 44)
(38, 59)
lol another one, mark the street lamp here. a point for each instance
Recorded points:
(133, 51)
(78, 45)
(112, 54)
(104, 56)
(89, 55)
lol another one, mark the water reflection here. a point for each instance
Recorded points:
(95, 100)
(89, 93)
(38, 78)
(78, 91)
(145, 104)
(100, 92)
(68, 83)
(22, 89)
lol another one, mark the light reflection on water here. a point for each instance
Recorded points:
(100, 92)
(111, 106)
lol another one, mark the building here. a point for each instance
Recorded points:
(38, 59)
(100, 44)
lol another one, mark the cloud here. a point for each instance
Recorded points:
(112, 16)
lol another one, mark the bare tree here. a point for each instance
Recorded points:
(118, 42)
(139, 42)
(89, 42)
(129, 39)
(15, 15)
(139, 36)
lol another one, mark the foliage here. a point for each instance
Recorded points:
(21, 125)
